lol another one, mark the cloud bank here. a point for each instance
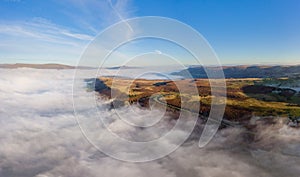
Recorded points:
(40, 137)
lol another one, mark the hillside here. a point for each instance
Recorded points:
(244, 97)
(243, 71)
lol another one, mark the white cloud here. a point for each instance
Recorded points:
(96, 15)
(41, 40)
(41, 29)
(40, 137)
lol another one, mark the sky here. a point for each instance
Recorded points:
(240, 32)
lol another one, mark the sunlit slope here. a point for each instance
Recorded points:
(245, 97)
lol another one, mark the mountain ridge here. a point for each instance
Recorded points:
(242, 71)
(42, 66)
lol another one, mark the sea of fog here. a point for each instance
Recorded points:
(39, 136)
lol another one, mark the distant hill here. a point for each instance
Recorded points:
(243, 71)
(123, 67)
(40, 66)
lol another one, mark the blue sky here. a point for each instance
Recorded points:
(241, 32)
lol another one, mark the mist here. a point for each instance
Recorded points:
(39, 136)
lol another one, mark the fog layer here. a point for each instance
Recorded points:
(39, 136)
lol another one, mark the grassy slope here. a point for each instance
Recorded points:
(238, 105)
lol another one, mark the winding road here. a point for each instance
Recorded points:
(157, 98)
